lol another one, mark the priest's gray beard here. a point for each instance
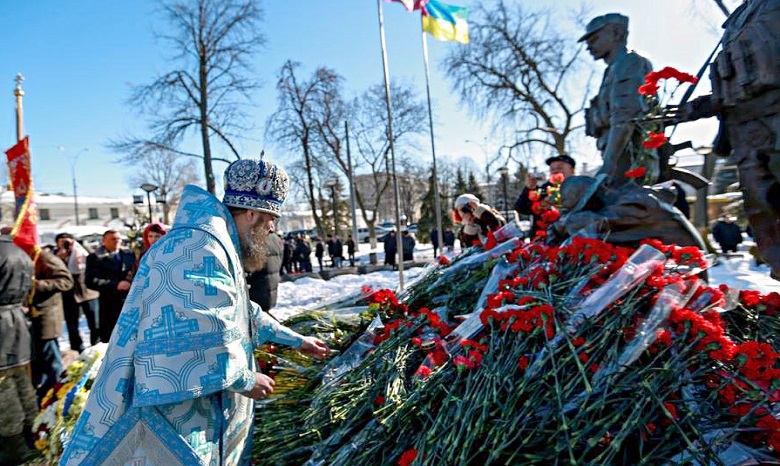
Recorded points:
(253, 247)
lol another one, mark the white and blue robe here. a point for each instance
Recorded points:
(181, 355)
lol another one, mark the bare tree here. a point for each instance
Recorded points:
(169, 172)
(293, 125)
(213, 42)
(371, 143)
(517, 68)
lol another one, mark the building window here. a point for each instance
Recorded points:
(93, 215)
(43, 214)
(114, 212)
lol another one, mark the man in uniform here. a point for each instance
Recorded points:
(609, 118)
(746, 98)
(178, 384)
(17, 395)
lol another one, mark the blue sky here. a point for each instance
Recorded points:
(80, 59)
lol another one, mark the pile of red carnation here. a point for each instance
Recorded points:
(564, 363)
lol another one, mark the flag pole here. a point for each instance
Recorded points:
(437, 200)
(351, 189)
(396, 197)
(19, 93)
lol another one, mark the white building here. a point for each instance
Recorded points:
(57, 214)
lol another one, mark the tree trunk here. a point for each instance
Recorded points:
(208, 170)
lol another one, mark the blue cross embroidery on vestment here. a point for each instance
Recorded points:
(170, 325)
(127, 326)
(174, 238)
(217, 371)
(197, 210)
(83, 442)
(207, 275)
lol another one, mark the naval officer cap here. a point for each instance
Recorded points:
(600, 21)
(257, 185)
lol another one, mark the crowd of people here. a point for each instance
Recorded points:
(41, 291)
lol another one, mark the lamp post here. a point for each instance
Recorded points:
(149, 187)
(73, 159)
(504, 172)
(332, 184)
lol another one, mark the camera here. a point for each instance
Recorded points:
(66, 245)
(466, 209)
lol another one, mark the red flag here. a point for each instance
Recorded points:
(410, 5)
(25, 230)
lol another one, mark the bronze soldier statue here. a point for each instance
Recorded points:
(746, 98)
(610, 117)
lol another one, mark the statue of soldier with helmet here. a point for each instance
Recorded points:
(745, 97)
(610, 117)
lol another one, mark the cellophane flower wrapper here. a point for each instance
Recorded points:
(477, 406)
(472, 324)
(62, 406)
(352, 357)
(509, 231)
(638, 267)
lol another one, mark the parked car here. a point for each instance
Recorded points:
(294, 233)
(364, 237)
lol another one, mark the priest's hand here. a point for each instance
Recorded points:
(264, 386)
(314, 347)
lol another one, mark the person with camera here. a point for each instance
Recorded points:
(79, 299)
(476, 220)
(562, 164)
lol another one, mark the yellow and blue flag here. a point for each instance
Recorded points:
(445, 22)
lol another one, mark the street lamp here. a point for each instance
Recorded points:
(504, 172)
(73, 159)
(332, 184)
(149, 187)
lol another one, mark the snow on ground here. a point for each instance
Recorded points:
(736, 270)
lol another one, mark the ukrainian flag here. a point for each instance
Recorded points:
(446, 22)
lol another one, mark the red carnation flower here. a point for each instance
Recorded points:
(654, 140)
(638, 172)
(407, 457)
(648, 89)
(557, 178)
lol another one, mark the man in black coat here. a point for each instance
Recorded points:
(727, 234)
(17, 395)
(390, 248)
(448, 236)
(408, 243)
(110, 271)
(351, 250)
(263, 284)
